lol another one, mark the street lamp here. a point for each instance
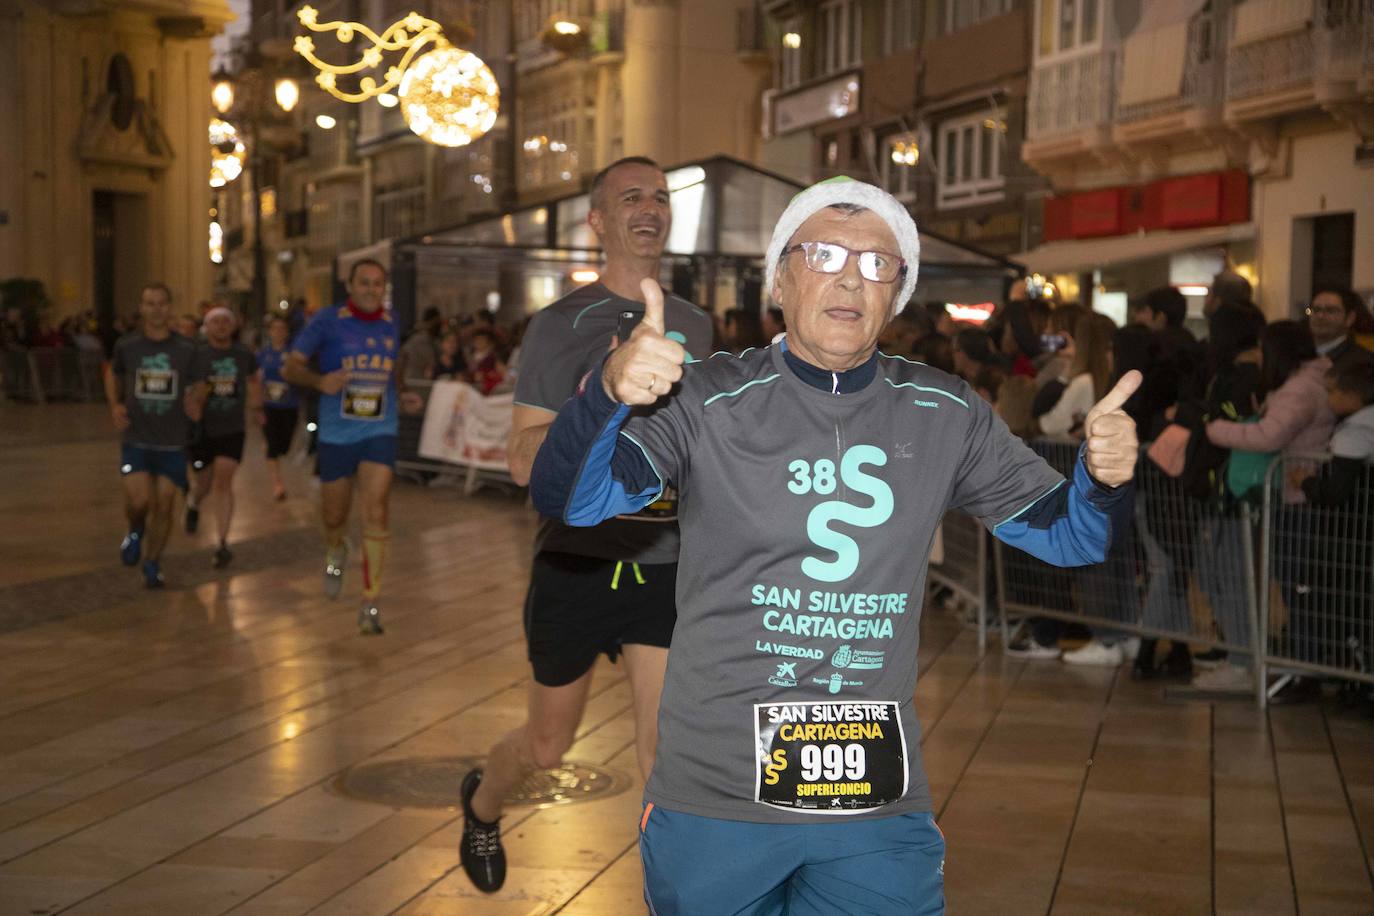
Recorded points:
(222, 93)
(288, 94)
(564, 35)
(251, 105)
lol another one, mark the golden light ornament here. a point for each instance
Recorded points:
(216, 242)
(449, 96)
(409, 35)
(227, 153)
(287, 93)
(791, 40)
(325, 122)
(387, 100)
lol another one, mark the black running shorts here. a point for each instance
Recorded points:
(279, 429)
(206, 449)
(579, 607)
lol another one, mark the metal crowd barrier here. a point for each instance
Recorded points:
(1184, 572)
(1317, 617)
(430, 471)
(1288, 587)
(42, 374)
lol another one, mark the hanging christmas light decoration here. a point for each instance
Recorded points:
(227, 153)
(448, 95)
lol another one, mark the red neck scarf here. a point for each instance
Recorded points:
(364, 316)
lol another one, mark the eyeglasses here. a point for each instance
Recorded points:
(830, 258)
(1332, 310)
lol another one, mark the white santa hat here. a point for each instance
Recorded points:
(218, 311)
(844, 190)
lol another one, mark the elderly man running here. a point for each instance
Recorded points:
(812, 475)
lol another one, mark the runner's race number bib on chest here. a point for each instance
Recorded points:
(829, 758)
(224, 386)
(363, 402)
(155, 384)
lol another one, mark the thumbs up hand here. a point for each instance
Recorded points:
(1110, 433)
(647, 365)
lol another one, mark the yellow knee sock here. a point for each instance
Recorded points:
(333, 536)
(374, 555)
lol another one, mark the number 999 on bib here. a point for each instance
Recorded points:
(829, 758)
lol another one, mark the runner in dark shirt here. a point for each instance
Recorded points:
(280, 401)
(147, 387)
(228, 387)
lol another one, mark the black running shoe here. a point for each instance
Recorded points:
(152, 575)
(483, 858)
(222, 556)
(370, 619)
(192, 518)
(131, 547)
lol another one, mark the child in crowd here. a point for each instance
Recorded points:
(1350, 395)
(1324, 556)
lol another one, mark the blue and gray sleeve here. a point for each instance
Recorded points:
(1075, 523)
(588, 471)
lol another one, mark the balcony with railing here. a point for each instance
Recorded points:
(335, 225)
(749, 32)
(1196, 105)
(297, 223)
(334, 152)
(1286, 55)
(399, 211)
(607, 33)
(1070, 107)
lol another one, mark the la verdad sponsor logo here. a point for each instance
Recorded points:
(786, 651)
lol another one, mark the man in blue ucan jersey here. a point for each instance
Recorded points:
(811, 477)
(355, 345)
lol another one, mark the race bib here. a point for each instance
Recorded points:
(224, 386)
(363, 402)
(663, 509)
(276, 391)
(829, 758)
(155, 384)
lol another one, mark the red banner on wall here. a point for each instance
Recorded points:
(1185, 202)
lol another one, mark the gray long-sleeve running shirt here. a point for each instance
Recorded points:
(807, 516)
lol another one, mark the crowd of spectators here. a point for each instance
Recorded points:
(81, 332)
(1214, 411)
(473, 348)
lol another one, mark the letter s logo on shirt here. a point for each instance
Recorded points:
(818, 522)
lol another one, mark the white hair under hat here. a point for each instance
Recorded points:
(845, 190)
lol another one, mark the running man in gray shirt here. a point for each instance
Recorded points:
(812, 476)
(148, 387)
(604, 590)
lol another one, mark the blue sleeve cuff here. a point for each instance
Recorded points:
(586, 472)
(1074, 525)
